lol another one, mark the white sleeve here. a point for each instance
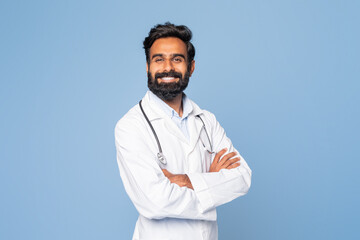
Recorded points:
(217, 188)
(153, 195)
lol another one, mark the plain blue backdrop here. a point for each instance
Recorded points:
(282, 77)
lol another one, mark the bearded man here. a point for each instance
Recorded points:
(175, 160)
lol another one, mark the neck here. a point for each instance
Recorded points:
(176, 104)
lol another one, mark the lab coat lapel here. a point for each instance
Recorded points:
(195, 125)
(152, 111)
(156, 113)
(174, 130)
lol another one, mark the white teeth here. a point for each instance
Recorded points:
(167, 78)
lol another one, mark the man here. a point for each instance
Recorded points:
(175, 161)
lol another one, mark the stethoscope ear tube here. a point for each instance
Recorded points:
(160, 155)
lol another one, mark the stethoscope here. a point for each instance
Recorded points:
(160, 155)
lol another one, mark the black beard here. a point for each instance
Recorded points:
(168, 91)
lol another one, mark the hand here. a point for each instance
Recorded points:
(226, 162)
(180, 179)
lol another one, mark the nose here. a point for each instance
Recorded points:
(168, 65)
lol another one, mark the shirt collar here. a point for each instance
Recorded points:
(187, 106)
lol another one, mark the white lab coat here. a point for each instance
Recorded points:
(167, 211)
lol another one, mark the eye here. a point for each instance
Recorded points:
(158, 60)
(177, 59)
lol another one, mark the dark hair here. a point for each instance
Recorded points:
(170, 30)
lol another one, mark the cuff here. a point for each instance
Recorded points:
(201, 191)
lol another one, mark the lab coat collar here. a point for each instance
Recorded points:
(156, 112)
(196, 109)
(187, 106)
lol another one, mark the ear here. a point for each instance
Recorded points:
(147, 67)
(192, 67)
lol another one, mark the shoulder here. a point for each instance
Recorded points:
(209, 115)
(130, 123)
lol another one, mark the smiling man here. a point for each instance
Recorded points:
(175, 160)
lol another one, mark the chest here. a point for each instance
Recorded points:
(183, 154)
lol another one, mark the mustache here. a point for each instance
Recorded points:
(168, 74)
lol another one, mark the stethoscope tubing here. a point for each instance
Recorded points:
(151, 126)
(160, 154)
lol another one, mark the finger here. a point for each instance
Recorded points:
(230, 162)
(227, 157)
(166, 172)
(218, 155)
(235, 165)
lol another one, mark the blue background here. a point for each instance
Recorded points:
(282, 77)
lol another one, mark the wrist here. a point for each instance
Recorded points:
(188, 182)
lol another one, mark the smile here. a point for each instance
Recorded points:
(168, 79)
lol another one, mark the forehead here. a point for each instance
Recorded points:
(169, 45)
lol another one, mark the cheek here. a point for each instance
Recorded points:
(183, 68)
(153, 69)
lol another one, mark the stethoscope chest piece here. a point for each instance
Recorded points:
(161, 158)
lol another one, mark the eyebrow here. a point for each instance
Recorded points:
(172, 55)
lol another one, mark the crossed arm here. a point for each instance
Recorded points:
(151, 189)
(220, 162)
